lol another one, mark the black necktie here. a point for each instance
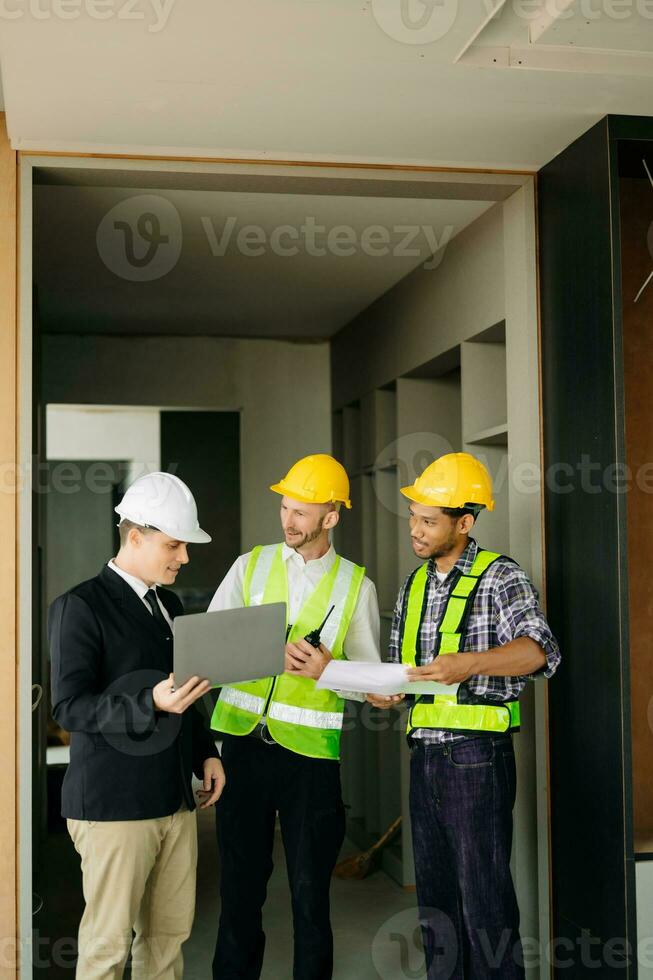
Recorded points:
(153, 603)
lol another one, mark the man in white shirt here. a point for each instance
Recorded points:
(282, 735)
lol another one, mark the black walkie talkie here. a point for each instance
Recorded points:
(314, 636)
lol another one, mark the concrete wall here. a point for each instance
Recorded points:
(79, 535)
(280, 388)
(426, 313)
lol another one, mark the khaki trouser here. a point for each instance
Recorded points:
(140, 875)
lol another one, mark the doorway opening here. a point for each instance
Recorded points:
(386, 316)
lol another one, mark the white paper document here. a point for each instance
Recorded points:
(355, 676)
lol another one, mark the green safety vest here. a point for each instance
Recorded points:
(299, 716)
(446, 710)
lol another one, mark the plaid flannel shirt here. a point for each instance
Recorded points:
(505, 607)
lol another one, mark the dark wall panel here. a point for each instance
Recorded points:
(203, 449)
(586, 597)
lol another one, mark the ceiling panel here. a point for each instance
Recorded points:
(232, 264)
(373, 81)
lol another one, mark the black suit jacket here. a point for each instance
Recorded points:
(127, 760)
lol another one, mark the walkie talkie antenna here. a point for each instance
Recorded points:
(314, 636)
(322, 624)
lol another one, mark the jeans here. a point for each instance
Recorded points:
(461, 801)
(261, 781)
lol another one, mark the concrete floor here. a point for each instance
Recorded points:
(374, 921)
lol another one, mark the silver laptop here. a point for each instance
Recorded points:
(231, 646)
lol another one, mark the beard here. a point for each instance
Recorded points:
(307, 538)
(445, 547)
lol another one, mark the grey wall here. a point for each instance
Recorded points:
(80, 521)
(281, 390)
(427, 313)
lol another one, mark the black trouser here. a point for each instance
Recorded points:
(261, 781)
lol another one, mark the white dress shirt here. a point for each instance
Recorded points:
(140, 588)
(361, 640)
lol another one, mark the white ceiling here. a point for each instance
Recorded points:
(605, 38)
(320, 79)
(209, 284)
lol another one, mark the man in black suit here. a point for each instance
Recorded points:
(135, 741)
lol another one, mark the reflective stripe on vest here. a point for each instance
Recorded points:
(442, 710)
(446, 713)
(304, 716)
(265, 569)
(241, 699)
(298, 715)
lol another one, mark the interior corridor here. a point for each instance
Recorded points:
(224, 372)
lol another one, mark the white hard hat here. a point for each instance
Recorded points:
(164, 502)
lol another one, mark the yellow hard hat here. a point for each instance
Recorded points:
(318, 479)
(453, 480)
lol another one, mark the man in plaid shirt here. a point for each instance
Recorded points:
(463, 783)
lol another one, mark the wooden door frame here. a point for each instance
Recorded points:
(9, 735)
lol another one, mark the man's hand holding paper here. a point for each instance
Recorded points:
(452, 668)
(379, 679)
